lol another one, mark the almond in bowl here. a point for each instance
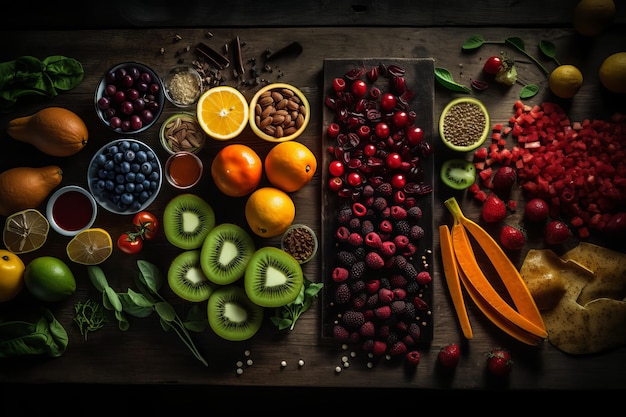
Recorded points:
(279, 112)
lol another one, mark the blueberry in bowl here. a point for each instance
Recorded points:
(125, 176)
(129, 98)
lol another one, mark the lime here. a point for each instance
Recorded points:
(49, 279)
(25, 231)
(464, 124)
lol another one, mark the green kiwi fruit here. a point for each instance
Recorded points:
(186, 279)
(273, 278)
(225, 253)
(187, 220)
(231, 314)
(458, 173)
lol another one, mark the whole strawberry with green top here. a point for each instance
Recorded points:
(499, 362)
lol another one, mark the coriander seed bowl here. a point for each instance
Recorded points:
(183, 86)
(300, 241)
(279, 112)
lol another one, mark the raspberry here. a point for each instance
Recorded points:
(424, 277)
(397, 281)
(383, 313)
(388, 249)
(416, 232)
(373, 285)
(355, 239)
(398, 212)
(399, 294)
(342, 293)
(353, 319)
(401, 241)
(397, 349)
(373, 240)
(357, 270)
(420, 304)
(342, 233)
(368, 191)
(384, 331)
(409, 250)
(385, 296)
(374, 260)
(379, 348)
(367, 329)
(340, 274)
(413, 358)
(340, 332)
(386, 226)
(358, 302)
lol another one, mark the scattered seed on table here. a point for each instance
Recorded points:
(337, 369)
(283, 364)
(301, 362)
(249, 362)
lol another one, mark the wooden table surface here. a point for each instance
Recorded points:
(147, 356)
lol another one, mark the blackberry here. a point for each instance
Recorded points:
(357, 286)
(414, 212)
(402, 227)
(354, 223)
(344, 215)
(357, 270)
(416, 232)
(342, 293)
(397, 349)
(352, 319)
(400, 262)
(385, 283)
(359, 253)
(385, 189)
(392, 338)
(409, 312)
(358, 301)
(368, 191)
(412, 287)
(414, 331)
(398, 307)
(409, 271)
(340, 332)
(372, 301)
(397, 281)
(346, 258)
(367, 227)
(380, 203)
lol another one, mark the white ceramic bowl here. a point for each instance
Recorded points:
(71, 209)
(113, 192)
(152, 95)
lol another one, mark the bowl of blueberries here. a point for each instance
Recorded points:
(125, 176)
(129, 98)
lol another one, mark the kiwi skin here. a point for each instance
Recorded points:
(458, 173)
(219, 262)
(186, 279)
(187, 219)
(273, 278)
(240, 321)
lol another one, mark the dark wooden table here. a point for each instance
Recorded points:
(147, 356)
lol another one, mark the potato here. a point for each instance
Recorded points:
(580, 296)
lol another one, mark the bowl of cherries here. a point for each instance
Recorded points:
(129, 98)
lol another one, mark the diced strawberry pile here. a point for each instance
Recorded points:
(579, 168)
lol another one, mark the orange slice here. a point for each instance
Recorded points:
(25, 231)
(90, 246)
(222, 112)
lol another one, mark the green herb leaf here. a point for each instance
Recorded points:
(97, 277)
(89, 316)
(444, 78)
(549, 50)
(65, 73)
(196, 320)
(113, 298)
(528, 91)
(43, 336)
(519, 45)
(165, 311)
(287, 316)
(150, 276)
(122, 321)
(473, 42)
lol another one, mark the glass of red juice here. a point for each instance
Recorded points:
(183, 169)
(71, 209)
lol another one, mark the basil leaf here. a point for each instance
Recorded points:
(473, 42)
(165, 311)
(516, 42)
(149, 275)
(529, 90)
(444, 78)
(97, 278)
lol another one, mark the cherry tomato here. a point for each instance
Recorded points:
(147, 225)
(129, 243)
(387, 102)
(492, 65)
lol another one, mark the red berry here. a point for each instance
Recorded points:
(512, 238)
(358, 88)
(398, 181)
(335, 184)
(415, 135)
(499, 362)
(494, 209)
(369, 149)
(382, 130)
(504, 179)
(393, 160)
(339, 84)
(387, 102)
(413, 358)
(333, 130)
(400, 118)
(536, 210)
(556, 232)
(336, 168)
(354, 179)
(449, 356)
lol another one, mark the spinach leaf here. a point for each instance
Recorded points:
(43, 335)
(444, 78)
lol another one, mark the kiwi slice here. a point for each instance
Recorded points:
(186, 278)
(187, 220)
(232, 316)
(225, 253)
(458, 173)
(273, 278)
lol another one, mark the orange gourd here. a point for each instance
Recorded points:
(55, 131)
(27, 187)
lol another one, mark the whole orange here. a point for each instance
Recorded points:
(237, 170)
(269, 211)
(290, 165)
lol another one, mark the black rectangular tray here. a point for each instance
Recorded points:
(419, 76)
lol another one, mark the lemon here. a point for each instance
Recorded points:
(565, 81)
(25, 231)
(11, 275)
(222, 112)
(90, 246)
(612, 73)
(49, 279)
(592, 17)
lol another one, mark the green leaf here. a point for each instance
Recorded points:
(114, 299)
(516, 42)
(528, 91)
(139, 299)
(150, 275)
(549, 50)
(65, 73)
(122, 322)
(58, 340)
(97, 278)
(444, 78)
(473, 42)
(165, 311)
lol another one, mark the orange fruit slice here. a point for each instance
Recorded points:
(222, 112)
(290, 166)
(269, 211)
(236, 170)
(90, 246)
(25, 231)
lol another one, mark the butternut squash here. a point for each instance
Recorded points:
(27, 187)
(451, 274)
(55, 131)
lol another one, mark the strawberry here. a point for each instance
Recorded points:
(494, 209)
(536, 210)
(511, 237)
(556, 232)
(449, 356)
(504, 179)
(499, 362)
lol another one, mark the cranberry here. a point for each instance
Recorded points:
(382, 130)
(339, 84)
(369, 149)
(387, 102)
(336, 168)
(358, 88)
(335, 183)
(415, 135)
(333, 130)
(400, 118)
(398, 181)
(363, 131)
(393, 160)
(354, 179)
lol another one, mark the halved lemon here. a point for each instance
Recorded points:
(25, 231)
(222, 112)
(90, 246)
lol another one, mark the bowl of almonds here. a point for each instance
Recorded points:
(279, 112)
(181, 132)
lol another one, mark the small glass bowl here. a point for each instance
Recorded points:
(188, 167)
(300, 241)
(175, 140)
(183, 86)
(76, 211)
